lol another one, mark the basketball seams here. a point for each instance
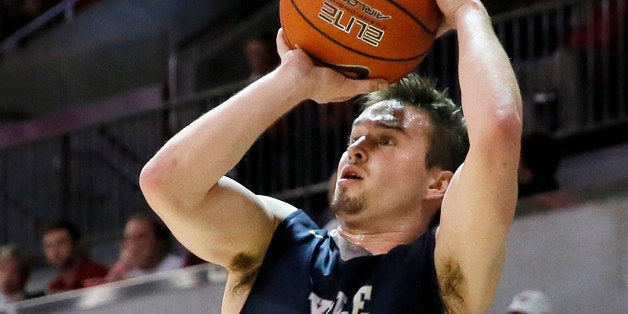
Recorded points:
(414, 18)
(315, 27)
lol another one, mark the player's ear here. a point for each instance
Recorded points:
(438, 184)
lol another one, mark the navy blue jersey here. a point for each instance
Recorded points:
(302, 272)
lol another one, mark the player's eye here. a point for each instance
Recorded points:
(386, 141)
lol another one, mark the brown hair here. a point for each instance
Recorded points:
(449, 142)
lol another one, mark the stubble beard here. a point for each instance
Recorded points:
(344, 204)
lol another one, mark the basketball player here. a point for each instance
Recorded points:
(394, 175)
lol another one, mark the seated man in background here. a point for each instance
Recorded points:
(14, 273)
(63, 251)
(145, 250)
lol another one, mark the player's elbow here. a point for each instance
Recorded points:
(508, 123)
(503, 128)
(151, 177)
(154, 182)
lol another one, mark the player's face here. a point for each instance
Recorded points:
(382, 172)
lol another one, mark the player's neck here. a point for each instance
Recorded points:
(380, 242)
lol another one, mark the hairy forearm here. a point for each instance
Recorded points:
(490, 93)
(191, 163)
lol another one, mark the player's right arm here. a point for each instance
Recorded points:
(479, 205)
(215, 217)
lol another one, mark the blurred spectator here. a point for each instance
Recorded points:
(540, 158)
(145, 249)
(14, 273)
(261, 55)
(64, 252)
(530, 302)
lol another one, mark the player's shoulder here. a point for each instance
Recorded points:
(280, 210)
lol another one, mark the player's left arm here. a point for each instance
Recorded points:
(479, 205)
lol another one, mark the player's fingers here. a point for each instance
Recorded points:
(365, 86)
(350, 88)
(444, 27)
(282, 45)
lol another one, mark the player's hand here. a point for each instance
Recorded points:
(320, 83)
(451, 10)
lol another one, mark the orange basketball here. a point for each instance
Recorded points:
(362, 38)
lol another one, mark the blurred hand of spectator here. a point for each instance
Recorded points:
(119, 271)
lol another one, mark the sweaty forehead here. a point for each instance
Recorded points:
(388, 113)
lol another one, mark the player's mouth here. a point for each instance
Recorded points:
(351, 174)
